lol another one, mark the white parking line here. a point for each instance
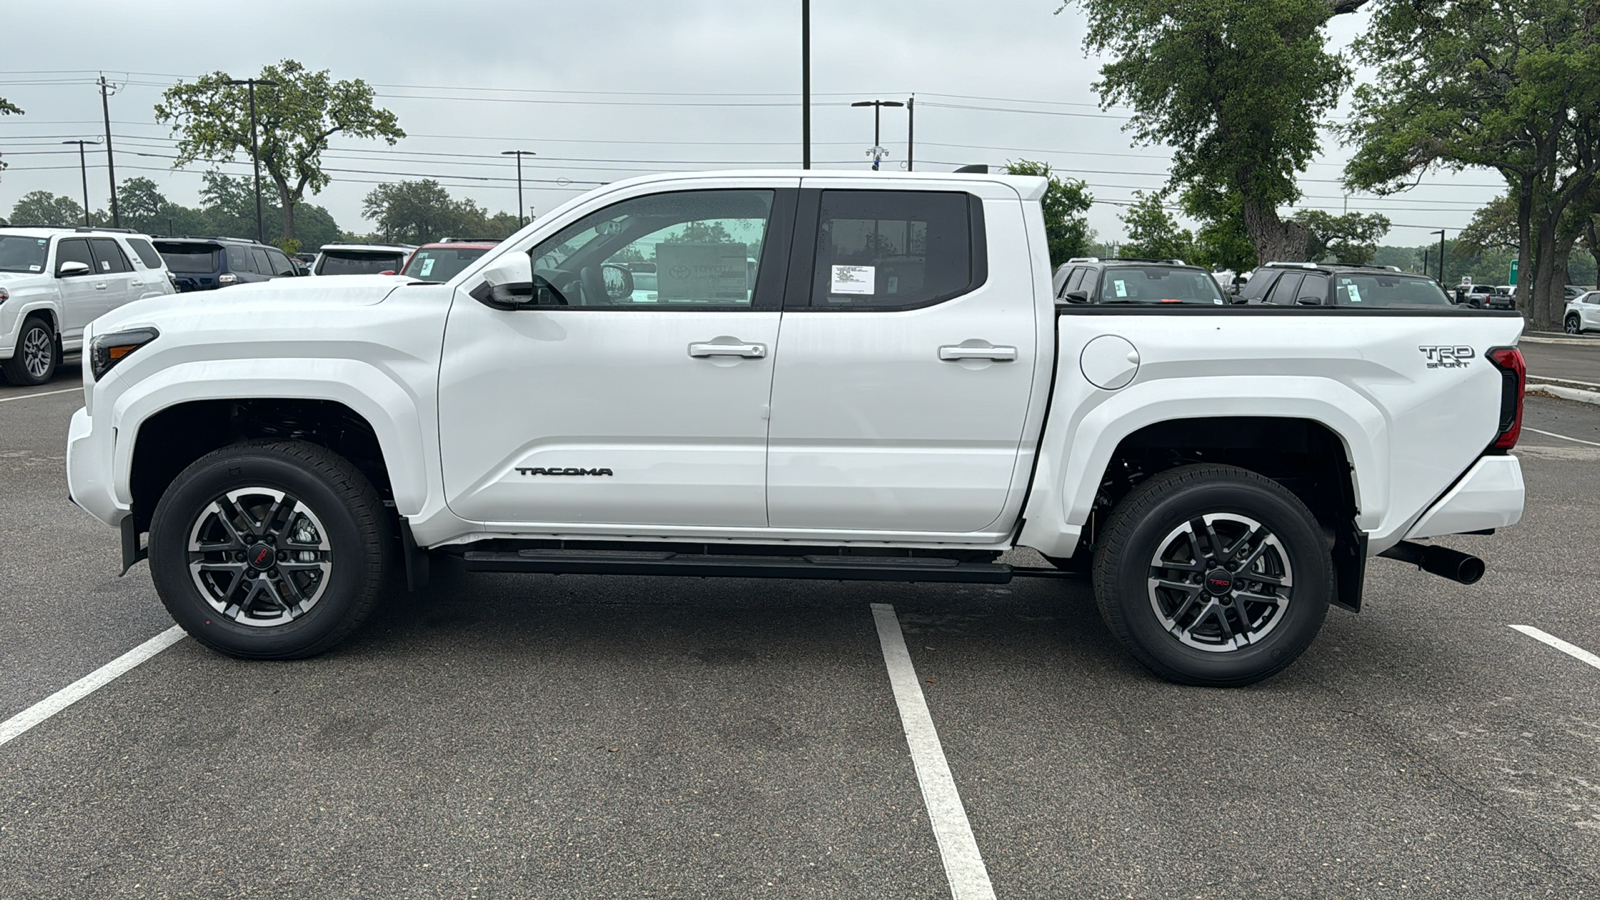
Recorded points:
(1572, 650)
(88, 684)
(963, 864)
(40, 394)
(1561, 436)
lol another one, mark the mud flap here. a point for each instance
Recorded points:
(1349, 566)
(131, 551)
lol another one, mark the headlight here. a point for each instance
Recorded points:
(4, 295)
(108, 350)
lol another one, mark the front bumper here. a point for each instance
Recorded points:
(1490, 495)
(90, 479)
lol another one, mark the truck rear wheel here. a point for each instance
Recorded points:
(1213, 575)
(269, 550)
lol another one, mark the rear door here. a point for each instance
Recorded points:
(113, 265)
(596, 408)
(906, 361)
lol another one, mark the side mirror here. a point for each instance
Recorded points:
(619, 282)
(1309, 301)
(72, 269)
(387, 272)
(1076, 296)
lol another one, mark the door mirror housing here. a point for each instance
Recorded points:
(1076, 296)
(72, 269)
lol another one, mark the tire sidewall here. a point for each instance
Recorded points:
(1302, 542)
(17, 370)
(175, 517)
(1574, 326)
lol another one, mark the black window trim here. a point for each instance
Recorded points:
(803, 260)
(768, 296)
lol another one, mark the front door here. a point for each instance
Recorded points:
(906, 365)
(628, 384)
(82, 296)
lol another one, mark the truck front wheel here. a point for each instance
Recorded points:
(269, 550)
(1213, 575)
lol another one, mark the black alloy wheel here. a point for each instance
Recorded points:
(270, 550)
(1213, 575)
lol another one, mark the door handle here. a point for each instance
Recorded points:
(748, 351)
(100, 286)
(959, 352)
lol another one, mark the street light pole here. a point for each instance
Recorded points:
(805, 84)
(519, 154)
(83, 168)
(911, 130)
(1440, 233)
(255, 150)
(877, 152)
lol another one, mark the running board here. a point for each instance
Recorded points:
(834, 568)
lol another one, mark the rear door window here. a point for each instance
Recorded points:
(896, 249)
(262, 264)
(147, 253)
(108, 257)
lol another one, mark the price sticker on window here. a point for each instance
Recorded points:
(853, 279)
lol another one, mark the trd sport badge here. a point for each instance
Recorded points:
(1447, 357)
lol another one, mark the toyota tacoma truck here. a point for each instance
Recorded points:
(837, 376)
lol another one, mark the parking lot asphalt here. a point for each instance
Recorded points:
(1567, 357)
(543, 736)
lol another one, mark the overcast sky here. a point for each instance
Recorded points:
(607, 89)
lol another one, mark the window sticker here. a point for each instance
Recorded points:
(427, 267)
(894, 284)
(1355, 293)
(33, 268)
(853, 279)
(105, 265)
(1121, 286)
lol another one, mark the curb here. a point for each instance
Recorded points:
(1566, 393)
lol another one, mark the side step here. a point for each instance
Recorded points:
(834, 568)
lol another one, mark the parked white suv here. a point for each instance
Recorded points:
(1583, 313)
(54, 281)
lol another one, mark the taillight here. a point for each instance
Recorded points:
(1513, 381)
(227, 278)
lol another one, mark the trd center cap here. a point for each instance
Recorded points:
(259, 556)
(1219, 582)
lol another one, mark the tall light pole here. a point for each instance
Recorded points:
(111, 165)
(911, 130)
(519, 154)
(83, 168)
(805, 84)
(1440, 233)
(255, 150)
(877, 152)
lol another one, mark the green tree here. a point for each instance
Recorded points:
(211, 119)
(1152, 232)
(7, 108)
(229, 210)
(1512, 86)
(1351, 238)
(1066, 205)
(1236, 88)
(45, 208)
(417, 212)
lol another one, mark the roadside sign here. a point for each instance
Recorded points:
(1513, 278)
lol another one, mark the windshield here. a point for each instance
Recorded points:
(1388, 290)
(358, 262)
(441, 263)
(190, 259)
(19, 253)
(1159, 284)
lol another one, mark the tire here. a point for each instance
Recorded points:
(34, 359)
(321, 525)
(1573, 325)
(1187, 621)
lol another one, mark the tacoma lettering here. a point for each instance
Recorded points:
(521, 470)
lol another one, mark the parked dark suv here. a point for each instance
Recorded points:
(205, 263)
(1091, 280)
(1317, 284)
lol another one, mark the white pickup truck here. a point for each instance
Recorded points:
(838, 376)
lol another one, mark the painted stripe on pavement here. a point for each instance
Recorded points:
(1561, 436)
(88, 684)
(1572, 650)
(41, 394)
(963, 864)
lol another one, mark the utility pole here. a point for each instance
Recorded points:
(519, 154)
(111, 166)
(83, 169)
(255, 149)
(805, 84)
(877, 152)
(1440, 233)
(911, 130)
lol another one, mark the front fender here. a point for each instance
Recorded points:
(388, 407)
